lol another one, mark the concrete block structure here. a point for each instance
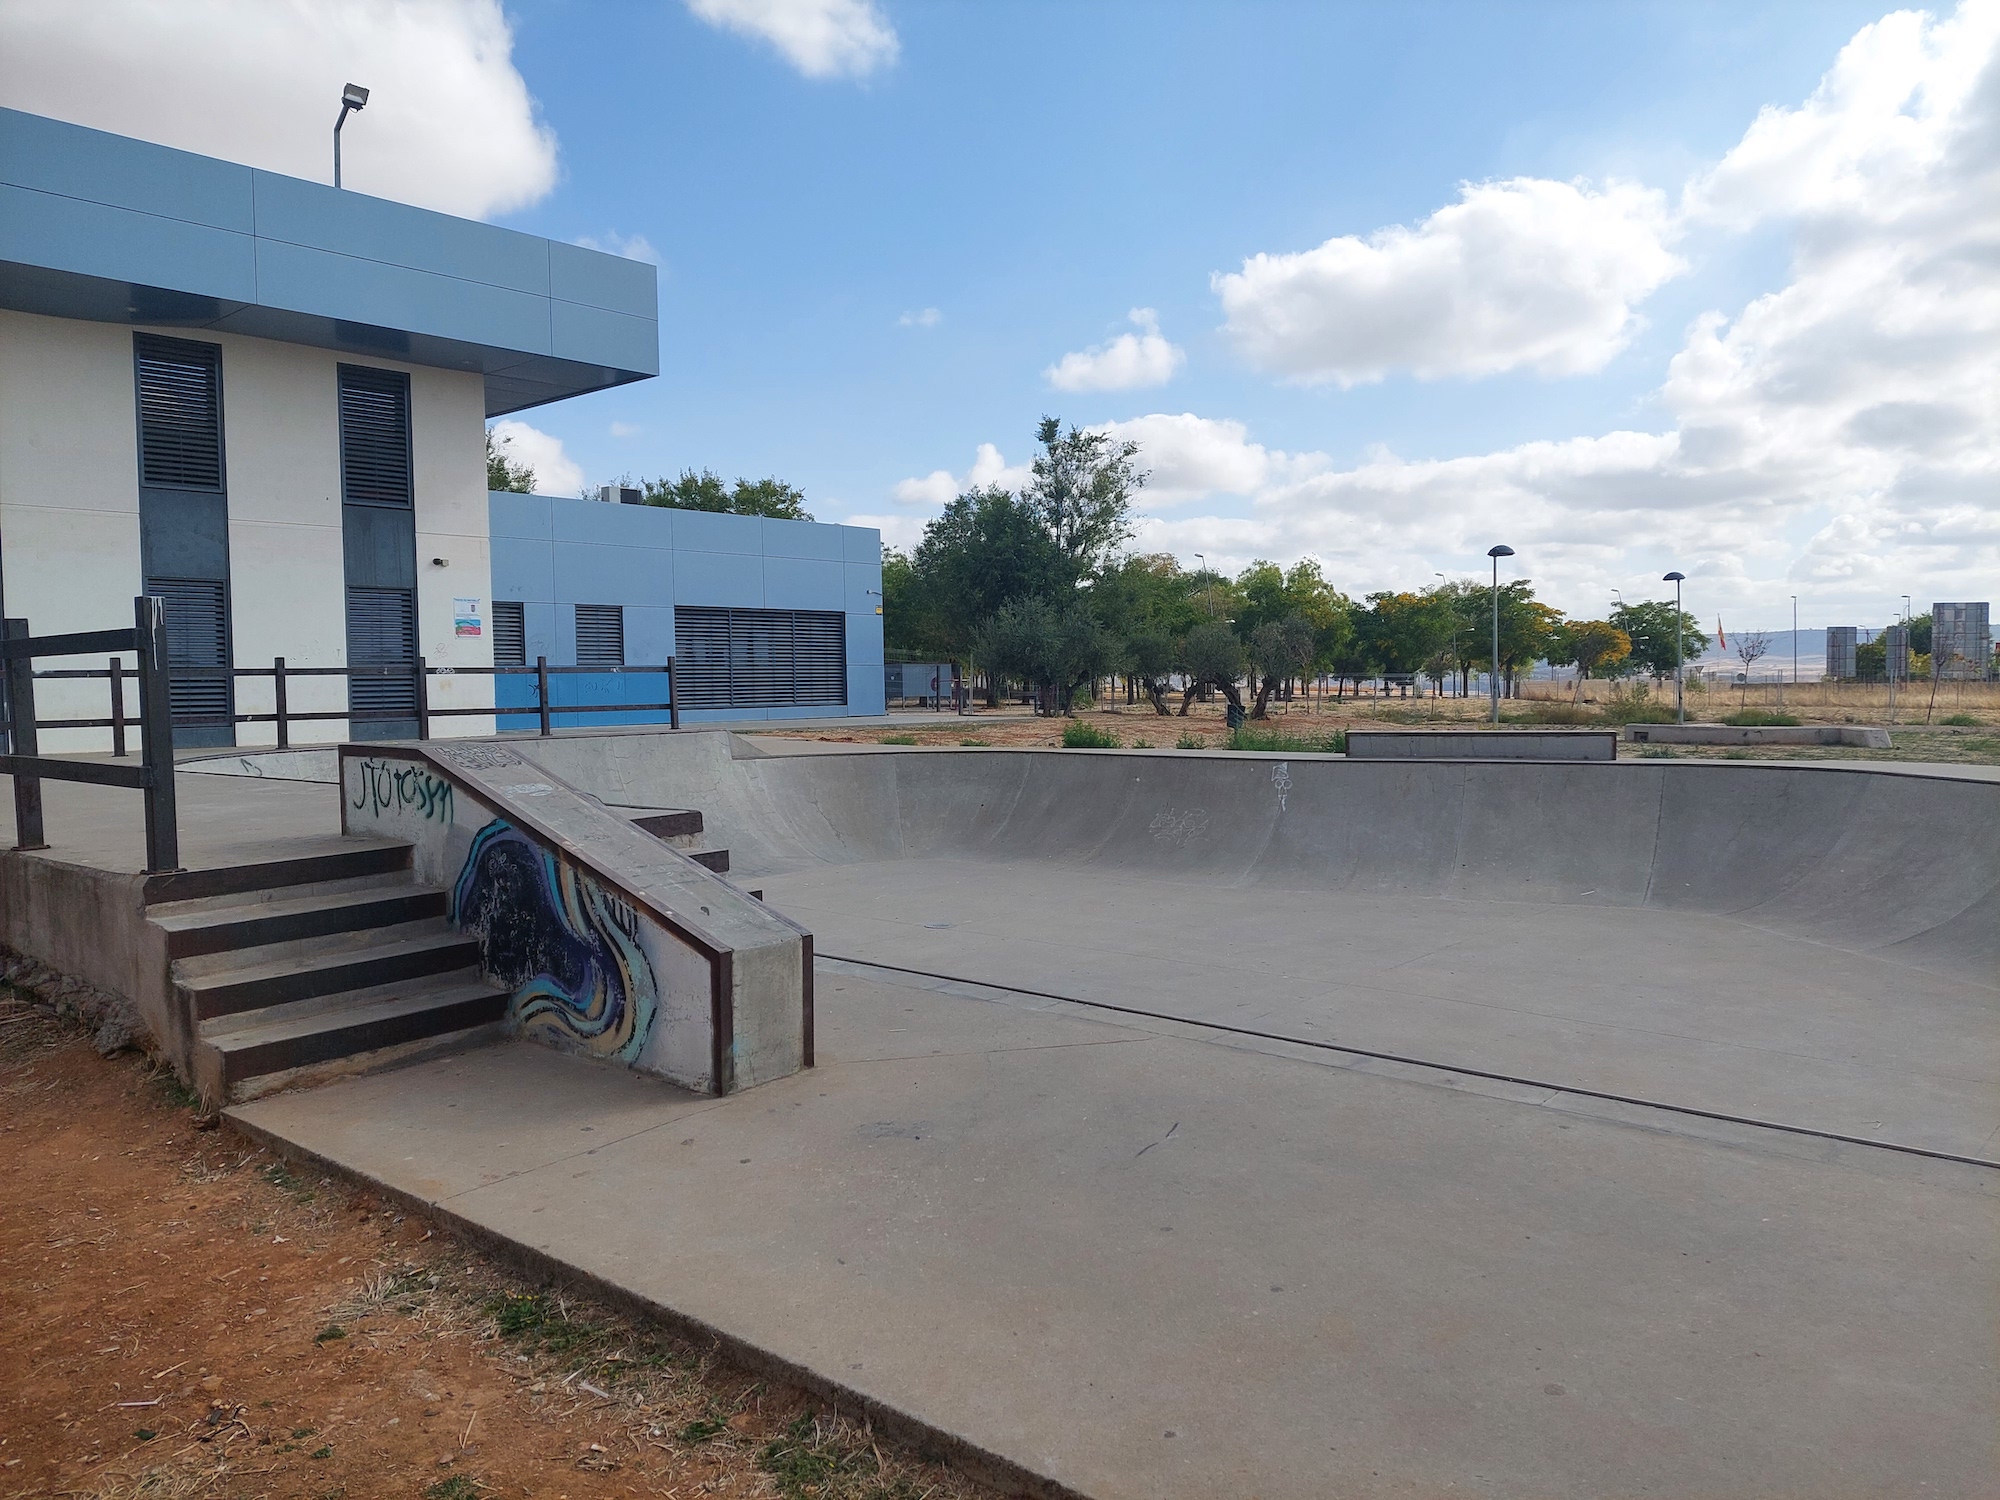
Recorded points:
(1962, 640)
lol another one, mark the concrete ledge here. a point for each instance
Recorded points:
(1482, 744)
(1865, 737)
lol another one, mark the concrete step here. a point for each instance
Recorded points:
(376, 902)
(329, 1028)
(323, 966)
(713, 859)
(667, 823)
(340, 859)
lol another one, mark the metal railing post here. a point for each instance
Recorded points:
(423, 699)
(278, 702)
(673, 697)
(22, 741)
(156, 735)
(542, 692)
(117, 707)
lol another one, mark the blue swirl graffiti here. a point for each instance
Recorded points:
(568, 948)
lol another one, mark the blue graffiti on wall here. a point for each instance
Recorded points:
(569, 948)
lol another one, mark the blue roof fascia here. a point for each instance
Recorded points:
(103, 227)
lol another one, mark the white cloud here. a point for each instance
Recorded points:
(630, 246)
(1521, 274)
(902, 532)
(821, 38)
(1192, 458)
(450, 124)
(941, 486)
(1838, 438)
(929, 317)
(1127, 363)
(555, 472)
(624, 429)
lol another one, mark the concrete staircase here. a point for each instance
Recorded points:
(679, 828)
(290, 967)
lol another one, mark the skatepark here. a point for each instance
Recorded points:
(1185, 1124)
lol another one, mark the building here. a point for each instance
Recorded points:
(764, 619)
(264, 400)
(1841, 641)
(1962, 640)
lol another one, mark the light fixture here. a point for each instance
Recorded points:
(353, 97)
(1493, 683)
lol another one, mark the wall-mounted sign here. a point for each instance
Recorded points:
(465, 617)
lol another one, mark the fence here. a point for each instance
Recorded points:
(281, 675)
(154, 776)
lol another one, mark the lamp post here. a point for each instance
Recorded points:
(1493, 685)
(1795, 640)
(1680, 639)
(353, 99)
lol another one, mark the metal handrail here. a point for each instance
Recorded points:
(284, 716)
(154, 775)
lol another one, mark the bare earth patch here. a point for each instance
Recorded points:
(182, 1315)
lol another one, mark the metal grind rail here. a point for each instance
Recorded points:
(419, 674)
(1421, 1062)
(154, 775)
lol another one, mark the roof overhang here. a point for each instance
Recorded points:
(109, 229)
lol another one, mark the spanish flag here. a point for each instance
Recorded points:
(1721, 641)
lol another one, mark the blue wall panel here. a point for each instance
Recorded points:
(804, 584)
(803, 539)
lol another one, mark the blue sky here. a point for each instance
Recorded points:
(1628, 286)
(1033, 171)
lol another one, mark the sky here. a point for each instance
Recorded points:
(1627, 287)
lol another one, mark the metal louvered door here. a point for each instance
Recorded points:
(378, 525)
(510, 633)
(184, 527)
(197, 654)
(759, 658)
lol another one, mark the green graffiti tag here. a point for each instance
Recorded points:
(384, 786)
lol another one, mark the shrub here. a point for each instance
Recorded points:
(1080, 735)
(1760, 718)
(1960, 721)
(1636, 706)
(1277, 742)
(898, 739)
(1189, 741)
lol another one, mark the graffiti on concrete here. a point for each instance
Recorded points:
(393, 786)
(568, 948)
(480, 757)
(1179, 826)
(1281, 783)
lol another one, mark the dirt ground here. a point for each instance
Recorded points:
(1303, 726)
(182, 1316)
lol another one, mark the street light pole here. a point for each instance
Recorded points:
(1680, 638)
(1493, 684)
(1795, 640)
(353, 98)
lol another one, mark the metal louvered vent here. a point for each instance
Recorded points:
(180, 414)
(197, 637)
(759, 658)
(374, 436)
(382, 636)
(510, 633)
(600, 635)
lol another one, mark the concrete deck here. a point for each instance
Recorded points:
(1146, 1265)
(1138, 1255)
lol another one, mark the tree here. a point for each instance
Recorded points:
(747, 497)
(505, 473)
(1593, 645)
(1081, 494)
(1752, 646)
(1279, 648)
(1150, 657)
(1212, 656)
(1057, 649)
(983, 552)
(1407, 630)
(1651, 626)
